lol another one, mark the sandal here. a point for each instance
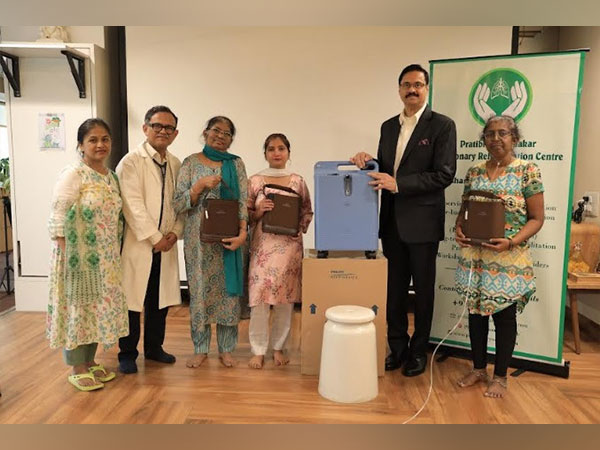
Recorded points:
(74, 380)
(100, 368)
(478, 374)
(501, 381)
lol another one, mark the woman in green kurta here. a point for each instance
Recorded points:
(496, 279)
(214, 270)
(87, 305)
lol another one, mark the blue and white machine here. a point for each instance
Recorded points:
(346, 208)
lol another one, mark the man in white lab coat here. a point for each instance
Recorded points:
(150, 263)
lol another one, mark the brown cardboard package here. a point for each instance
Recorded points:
(344, 278)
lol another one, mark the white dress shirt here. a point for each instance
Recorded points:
(407, 126)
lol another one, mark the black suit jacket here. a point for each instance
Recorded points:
(427, 167)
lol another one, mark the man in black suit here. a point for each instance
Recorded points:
(417, 161)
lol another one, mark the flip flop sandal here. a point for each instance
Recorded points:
(74, 380)
(100, 368)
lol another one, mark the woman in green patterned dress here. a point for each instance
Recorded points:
(214, 270)
(87, 305)
(497, 278)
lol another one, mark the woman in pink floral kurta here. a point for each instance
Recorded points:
(275, 273)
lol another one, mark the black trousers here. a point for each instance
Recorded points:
(505, 322)
(154, 319)
(406, 261)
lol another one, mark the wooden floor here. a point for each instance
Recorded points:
(33, 382)
(7, 301)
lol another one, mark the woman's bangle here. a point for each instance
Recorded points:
(511, 244)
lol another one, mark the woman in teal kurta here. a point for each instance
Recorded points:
(87, 305)
(214, 270)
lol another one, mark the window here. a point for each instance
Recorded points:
(3, 130)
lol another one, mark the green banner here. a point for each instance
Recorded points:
(541, 91)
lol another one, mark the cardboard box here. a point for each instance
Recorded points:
(344, 278)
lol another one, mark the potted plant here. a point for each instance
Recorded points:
(5, 177)
(5, 186)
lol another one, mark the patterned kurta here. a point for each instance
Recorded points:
(501, 279)
(87, 304)
(209, 301)
(275, 272)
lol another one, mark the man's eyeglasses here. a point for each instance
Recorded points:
(220, 132)
(491, 134)
(157, 127)
(417, 85)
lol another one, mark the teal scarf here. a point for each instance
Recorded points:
(234, 281)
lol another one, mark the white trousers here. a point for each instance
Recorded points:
(259, 327)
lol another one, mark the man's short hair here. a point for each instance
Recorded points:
(159, 109)
(414, 68)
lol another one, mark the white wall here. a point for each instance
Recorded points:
(546, 41)
(79, 34)
(3, 130)
(327, 88)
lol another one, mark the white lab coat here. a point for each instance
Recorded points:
(141, 186)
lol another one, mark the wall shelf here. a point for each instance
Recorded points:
(14, 51)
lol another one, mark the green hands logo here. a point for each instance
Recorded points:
(500, 92)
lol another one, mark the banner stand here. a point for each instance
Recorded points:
(522, 365)
(542, 92)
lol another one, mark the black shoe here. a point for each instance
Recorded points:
(127, 366)
(415, 366)
(161, 356)
(392, 363)
(394, 360)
